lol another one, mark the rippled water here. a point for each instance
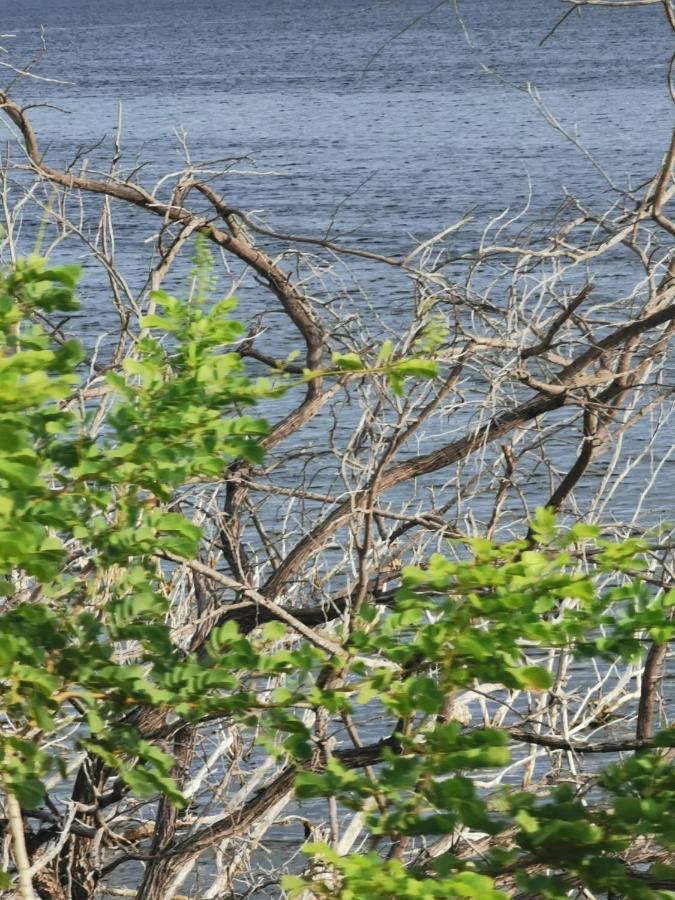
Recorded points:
(379, 118)
(322, 93)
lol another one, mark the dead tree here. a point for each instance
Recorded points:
(545, 383)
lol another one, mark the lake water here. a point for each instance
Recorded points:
(324, 94)
(379, 117)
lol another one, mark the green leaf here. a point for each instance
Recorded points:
(147, 783)
(224, 635)
(145, 604)
(298, 747)
(385, 352)
(665, 738)
(349, 362)
(543, 525)
(422, 368)
(27, 788)
(163, 324)
(19, 474)
(532, 678)
(469, 884)
(273, 631)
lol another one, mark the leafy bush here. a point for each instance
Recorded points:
(92, 532)
(82, 524)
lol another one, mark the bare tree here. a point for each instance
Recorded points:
(551, 393)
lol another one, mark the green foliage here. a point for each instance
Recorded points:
(89, 531)
(394, 371)
(454, 623)
(367, 877)
(67, 496)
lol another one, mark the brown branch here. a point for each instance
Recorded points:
(294, 303)
(556, 743)
(650, 680)
(500, 425)
(504, 484)
(662, 187)
(167, 819)
(556, 325)
(278, 612)
(171, 860)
